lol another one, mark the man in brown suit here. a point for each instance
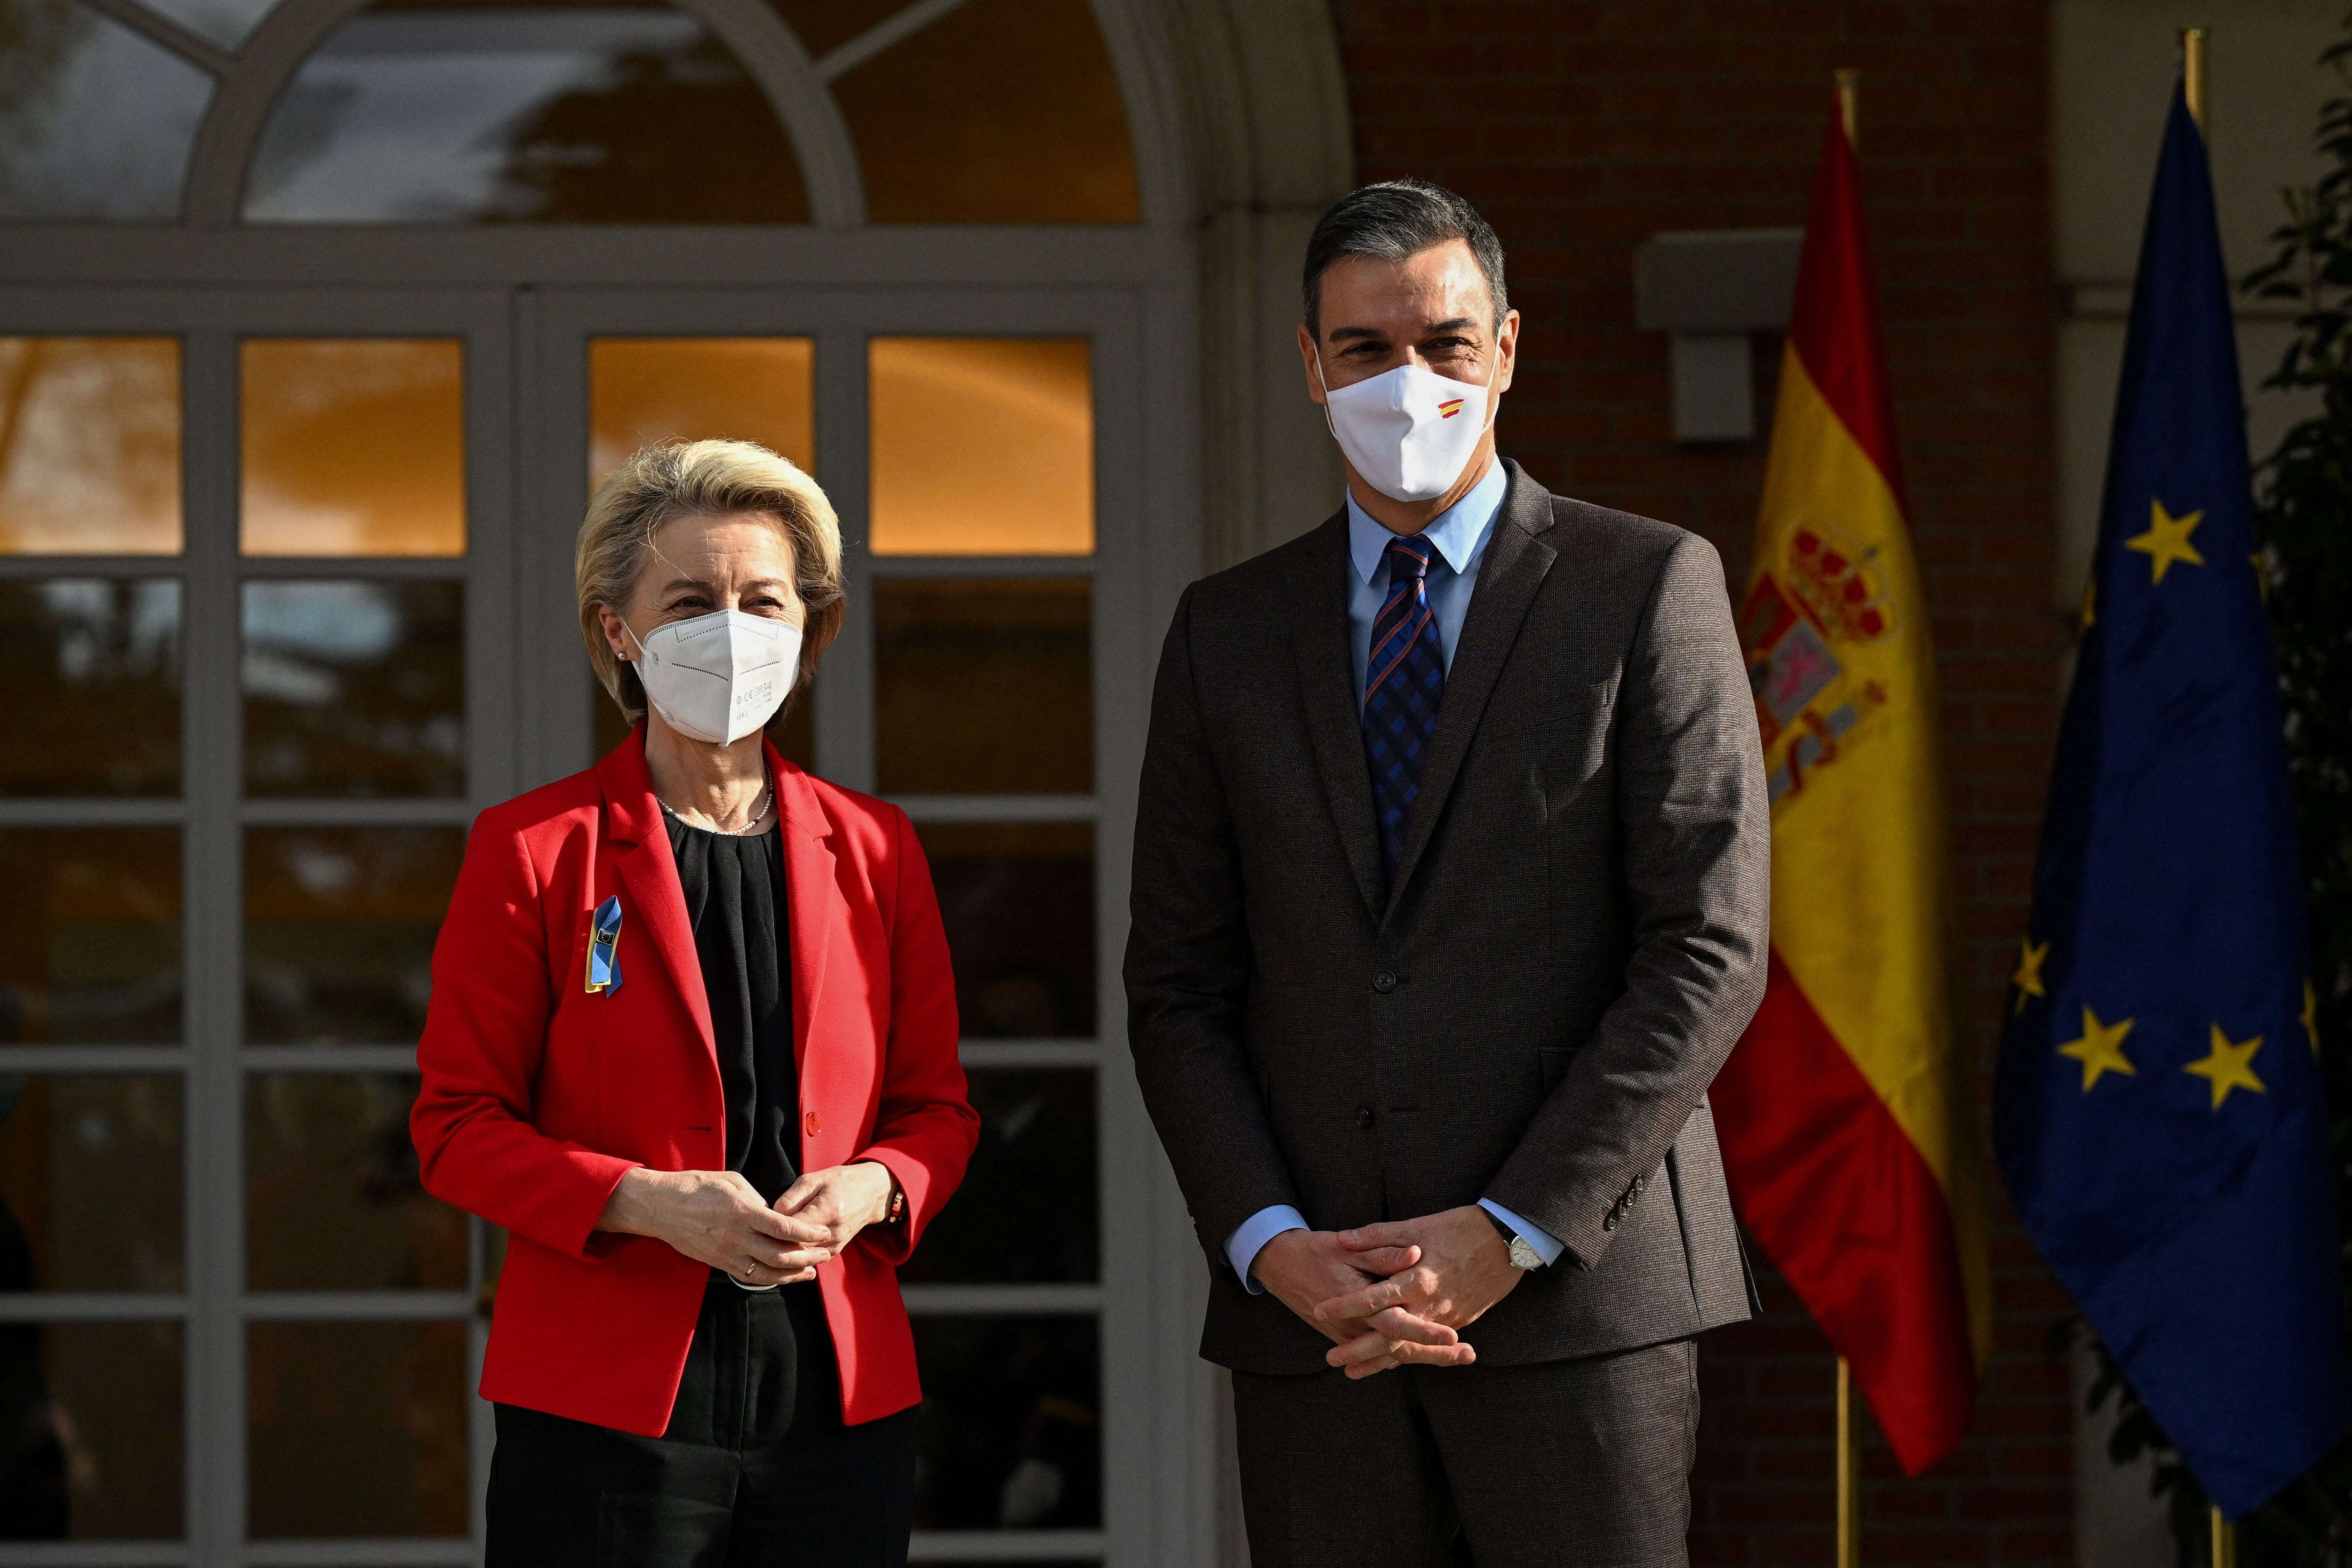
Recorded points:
(1450, 897)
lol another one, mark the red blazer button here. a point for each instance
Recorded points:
(812, 1124)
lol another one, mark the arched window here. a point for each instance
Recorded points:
(451, 111)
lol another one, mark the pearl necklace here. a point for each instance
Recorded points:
(767, 804)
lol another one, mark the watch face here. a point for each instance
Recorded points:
(1524, 1256)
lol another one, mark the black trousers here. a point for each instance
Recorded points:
(1583, 1464)
(755, 1469)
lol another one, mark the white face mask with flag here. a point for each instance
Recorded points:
(717, 677)
(1410, 432)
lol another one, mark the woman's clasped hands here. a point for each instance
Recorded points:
(717, 1217)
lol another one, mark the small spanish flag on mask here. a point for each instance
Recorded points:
(1449, 408)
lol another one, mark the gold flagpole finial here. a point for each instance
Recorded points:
(2192, 70)
(2225, 1541)
(1849, 86)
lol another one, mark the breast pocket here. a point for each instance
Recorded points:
(1549, 717)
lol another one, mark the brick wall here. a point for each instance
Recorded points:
(1579, 129)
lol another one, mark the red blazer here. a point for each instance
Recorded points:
(538, 1096)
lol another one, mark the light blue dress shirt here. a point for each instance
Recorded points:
(1460, 534)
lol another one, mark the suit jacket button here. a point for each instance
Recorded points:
(1611, 1222)
(812, 1124)
(1364, 1116)
(1384, 982)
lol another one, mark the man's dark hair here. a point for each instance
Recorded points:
(1394, 220)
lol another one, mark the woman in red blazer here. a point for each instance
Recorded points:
(692, 1042)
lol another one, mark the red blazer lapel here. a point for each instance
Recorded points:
(816, 909)
(633, 826)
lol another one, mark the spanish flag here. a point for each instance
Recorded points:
(1845, 1111)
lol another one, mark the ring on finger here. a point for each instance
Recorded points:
(750, 1267)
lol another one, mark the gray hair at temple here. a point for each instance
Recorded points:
(1392, 221)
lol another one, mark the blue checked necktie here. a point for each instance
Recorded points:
(1404, 681)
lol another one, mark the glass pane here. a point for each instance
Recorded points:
(93, 1414)
(354, 688)
(352, 446)
(523, 113)
(95, 666)
(1018, 901)
(1035, 1158)
(983, 687)
(355, 1429)
(1010, 1434)
(644, 390)
(339, 928)
(89, 446)
(332, 1198)
(89, 1183)
(793, 732)
(982, 447)
(95, 121)
(89, 936)
(941, 140)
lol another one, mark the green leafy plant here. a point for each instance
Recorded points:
(2304, 512)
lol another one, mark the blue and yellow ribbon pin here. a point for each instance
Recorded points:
(603, 947)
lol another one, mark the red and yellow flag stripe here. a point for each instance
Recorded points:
(1845, 1110)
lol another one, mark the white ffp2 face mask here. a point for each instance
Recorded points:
(717, 677)
(1410, 432)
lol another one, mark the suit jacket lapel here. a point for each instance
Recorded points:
(813, 897)
(1329, 691)
(1515, 561)
(632, 818)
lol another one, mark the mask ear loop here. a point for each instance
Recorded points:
(1493, 403)
(1325, 387)
(641, 654)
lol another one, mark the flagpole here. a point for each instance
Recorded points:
(2192, 70)
(1849, 1480)
(1849, 1477)
(2193, 78)
(2224, 1548)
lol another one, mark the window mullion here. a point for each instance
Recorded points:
(844, 701)
(212, 851)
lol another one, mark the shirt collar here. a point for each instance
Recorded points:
(1458, 531)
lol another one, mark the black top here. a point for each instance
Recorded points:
(735, 902)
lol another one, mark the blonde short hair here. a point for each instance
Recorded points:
(703, 479)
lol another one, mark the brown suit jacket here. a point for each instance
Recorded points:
(1532, 1012)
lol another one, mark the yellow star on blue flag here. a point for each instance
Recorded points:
(2167, 539)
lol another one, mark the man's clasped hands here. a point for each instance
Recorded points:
(1395, 1292)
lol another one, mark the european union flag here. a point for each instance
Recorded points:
(2158, 1113)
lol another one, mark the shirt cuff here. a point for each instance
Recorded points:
(1242, 1248)
(1548, 1247)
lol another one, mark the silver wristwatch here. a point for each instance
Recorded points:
(1522, 1256)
